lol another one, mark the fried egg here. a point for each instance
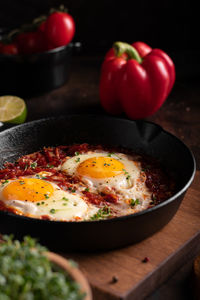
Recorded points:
(98, 168)
(114, 173)
(34, 197)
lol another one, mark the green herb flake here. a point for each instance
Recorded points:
(110, 154)
(52, 211)
(65, 199)
(102, 213)
(134, 202)
(38, 203)
(50, 166)
(128, 177)
(46, 196)
(64, 204)
(37, 176)
(87, 190)
(33, 165)
(21, 182)
(125, 172)
(5, 181)
(77, 160)
(77, 153)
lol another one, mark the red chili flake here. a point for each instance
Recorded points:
(45, 217)
(145, 260)
(93, 198)
(111, 198)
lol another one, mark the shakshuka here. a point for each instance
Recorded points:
(81, 183)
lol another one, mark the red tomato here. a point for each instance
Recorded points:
(30, 42)
(9, 49)
(59, 29)
(47, 44)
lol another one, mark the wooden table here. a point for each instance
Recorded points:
(180, 115)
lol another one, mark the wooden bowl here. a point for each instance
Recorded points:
(73, 271)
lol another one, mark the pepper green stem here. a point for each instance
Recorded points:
(120, 48)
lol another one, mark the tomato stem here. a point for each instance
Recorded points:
(120, 48)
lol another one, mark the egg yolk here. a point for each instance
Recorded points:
(100, 167)
(28, 189)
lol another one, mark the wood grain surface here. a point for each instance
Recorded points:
(167, 250)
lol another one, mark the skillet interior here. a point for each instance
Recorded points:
(142, 137)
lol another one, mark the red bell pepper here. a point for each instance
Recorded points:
(135, 79)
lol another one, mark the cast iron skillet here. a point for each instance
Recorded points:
(141, 136)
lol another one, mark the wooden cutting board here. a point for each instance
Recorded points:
(167, 250)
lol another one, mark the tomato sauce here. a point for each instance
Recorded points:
(48, 159)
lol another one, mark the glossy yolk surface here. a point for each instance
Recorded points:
(28, 189)
(100, 167)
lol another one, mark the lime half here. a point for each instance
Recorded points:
(12, 109)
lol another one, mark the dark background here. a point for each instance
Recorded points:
(170, 25)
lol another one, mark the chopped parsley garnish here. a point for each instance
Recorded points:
(72, 190)
(34, 165)
(134, 202)
(46, 196)
(128, 177)
(26, 167)
(77, 160)
(50, 166)
(38, 203)
(65, 199)
(76, 153)
(21, 182)
(27, 273)
(106, 164)
(125, 172)
(5, 181)
(52, 211)
(153, 200)
(110, 154)
(40, 177)
(64, 204)
(102, 213)
(87, 190)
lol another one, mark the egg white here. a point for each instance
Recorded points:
(128, 185)
(61, 205)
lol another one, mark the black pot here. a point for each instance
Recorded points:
(141, 136)
(27, 75)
